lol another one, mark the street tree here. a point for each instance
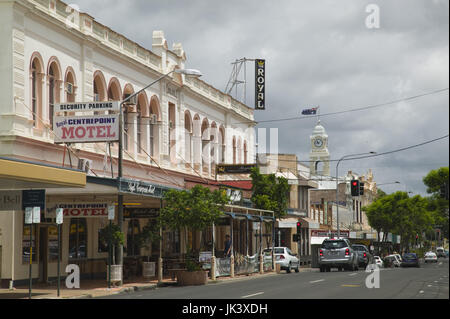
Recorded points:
(194, 209)
(437, 182)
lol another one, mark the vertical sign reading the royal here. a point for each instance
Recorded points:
(260, 84)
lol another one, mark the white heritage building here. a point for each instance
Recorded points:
(177, 129)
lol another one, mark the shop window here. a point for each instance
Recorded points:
(53, 244)
(26, 244)
(102, 243)
(134, 230)
(78, 238)
(171, 242)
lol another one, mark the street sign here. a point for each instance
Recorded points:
(235, 168)
(59, 216)
(28, 215)
(111, 210)
(33, 198)
(36, 215)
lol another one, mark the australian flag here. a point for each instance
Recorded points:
(312, 111)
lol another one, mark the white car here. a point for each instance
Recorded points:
(286, 259)
(395, 259)
(378, 261)
(431, 257)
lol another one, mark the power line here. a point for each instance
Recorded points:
(351, 110)
(374, 155)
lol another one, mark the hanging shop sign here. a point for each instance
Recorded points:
(87, 106)
(84, 210)
(260, 84)
(86, 129)
(141, 212)
(327, 233)
(235, 168)
(141, 188)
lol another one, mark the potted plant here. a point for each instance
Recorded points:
(112, 234)
(148, 236)
(194, 273)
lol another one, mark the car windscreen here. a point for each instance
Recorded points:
(334, 244)
(279, 250)
(359, 248)
(409, 256)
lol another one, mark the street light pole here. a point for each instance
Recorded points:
(337, 187)
(188, 72)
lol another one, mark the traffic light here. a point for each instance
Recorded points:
(355, 187)
(361, 188)
(299, 226)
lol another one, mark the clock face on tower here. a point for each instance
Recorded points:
(318, 142)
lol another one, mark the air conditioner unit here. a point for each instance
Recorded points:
(153, 119)
(84, 165)
(132, 101)
(69, 88)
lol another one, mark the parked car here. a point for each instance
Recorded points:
(430, 257)
(286, 259)
(337, 253)
(392, 261)
(410, 260)
(364, 255)
(378, 261)
(400, 259)
(440, 252)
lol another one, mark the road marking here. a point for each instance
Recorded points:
(312, 282)
(430, 286)
(421, 291)
(353, 274)
(248, 296)
(440, 263)
(354, 286)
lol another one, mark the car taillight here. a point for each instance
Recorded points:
(281, 257)
(321, 252)
(365, 255)
(347, 252)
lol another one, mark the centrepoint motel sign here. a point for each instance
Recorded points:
(86, 128)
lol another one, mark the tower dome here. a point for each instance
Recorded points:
(319, 129)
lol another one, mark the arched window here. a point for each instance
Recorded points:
(222, 144)
(234, 149)
(188, 138)
(205, 143)
(239, 151)
(54, 80)
(36, 71)
(245, 152)
(155, 118)
(70, 85)
(128, 90)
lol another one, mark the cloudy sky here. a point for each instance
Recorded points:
(320, 53)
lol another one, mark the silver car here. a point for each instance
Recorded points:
(337, 253)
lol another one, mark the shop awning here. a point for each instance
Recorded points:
(18, 174)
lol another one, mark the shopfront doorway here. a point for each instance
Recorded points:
(43, 254)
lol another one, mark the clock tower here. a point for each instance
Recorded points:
(319, 156)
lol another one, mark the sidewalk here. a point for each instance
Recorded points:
(99, 288)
